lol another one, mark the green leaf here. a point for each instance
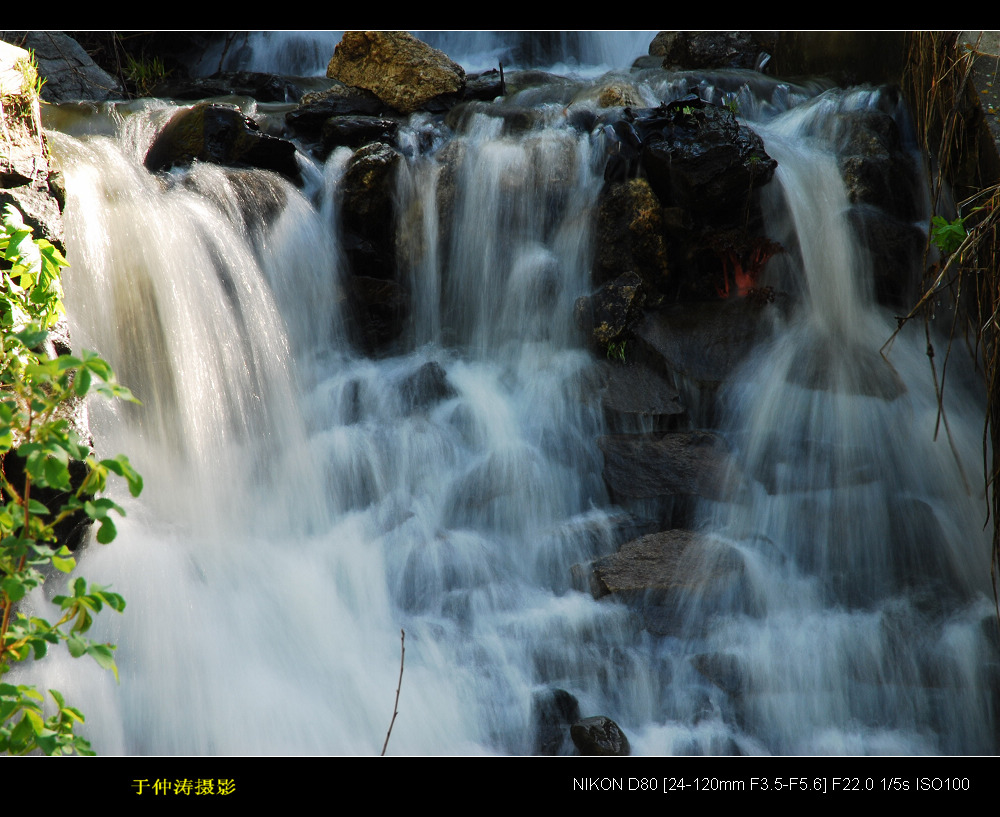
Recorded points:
(103, 654)
(946, 235)
(64, 561)
(77, 646)
(107, 532)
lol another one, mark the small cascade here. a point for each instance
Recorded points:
(857, 537)
(305, 502)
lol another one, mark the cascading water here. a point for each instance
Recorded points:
(303, 503)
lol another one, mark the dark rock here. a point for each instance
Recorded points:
(40, 209)
(221, 134)
(629, 235)
(485, 86)
(656, 562)
(697, 156)
(516, 119)
(340, 100)
(703, 342)
(600, 736)
(691, 463)
(426, 386)
(70, 74)
(610, 313)
(263, 87)
(712, 49)
(369, 189)
(553, 712)
(398, 68)
(356, 130)
(634, 390)
(897, 250)
(869, 373)
(876, 168)
(380, 308)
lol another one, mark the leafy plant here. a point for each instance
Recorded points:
(38, 446)
(946, 235)
(144, 74)
(616, 351)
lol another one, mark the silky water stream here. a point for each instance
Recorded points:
(304, 503)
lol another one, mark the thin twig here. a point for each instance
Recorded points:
(399, 686)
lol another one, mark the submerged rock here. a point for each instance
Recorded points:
(553, 712)
(688, 463)
(600, 736)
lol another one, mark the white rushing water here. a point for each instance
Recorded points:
(303, 503)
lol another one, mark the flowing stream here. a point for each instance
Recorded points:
(303, 503)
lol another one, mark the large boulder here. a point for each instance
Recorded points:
(70, 74)
(220, 134)
(398, 68)
(699, 157)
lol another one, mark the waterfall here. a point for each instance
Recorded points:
(860, 543)
(304, 503)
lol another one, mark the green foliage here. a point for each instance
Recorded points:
(36, 396)
(616, 351)
(143, 74)
(946, 235)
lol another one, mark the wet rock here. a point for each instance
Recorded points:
(712, 49)
(380, 309)
(485, 86)
(553, 712)
(697, 156)
(703, 342)
(726, 671)
(426, 386)
(516, 118)
(369, 189)
(876, 168)
(398, 68)
(790, 465)
(220, 134)
(630, 235)
(600, 736)
(618, 95)
(341, 100)
(357, 130)
(656, 562)
(897, 249)
(633, 390)
(689, 463)
(263, 87)
(611, 312)
(869, 374)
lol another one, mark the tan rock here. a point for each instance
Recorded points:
(398, 68)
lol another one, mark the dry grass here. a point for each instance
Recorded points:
(952, 129)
